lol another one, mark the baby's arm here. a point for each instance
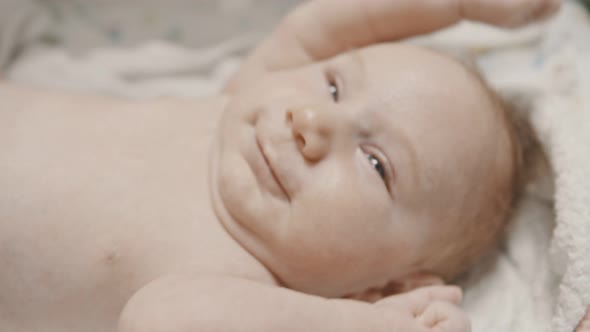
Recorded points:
(229, 304)
(320, 29)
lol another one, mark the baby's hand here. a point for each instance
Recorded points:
(426, 309)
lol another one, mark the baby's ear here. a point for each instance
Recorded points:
(412, 281)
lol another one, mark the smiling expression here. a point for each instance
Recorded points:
(346, 174)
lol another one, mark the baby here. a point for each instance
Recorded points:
(331, 176)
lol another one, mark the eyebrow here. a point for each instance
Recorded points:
(400, 135)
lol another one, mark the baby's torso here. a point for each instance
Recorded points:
(96, 201)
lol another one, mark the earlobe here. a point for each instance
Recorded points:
(412, 281)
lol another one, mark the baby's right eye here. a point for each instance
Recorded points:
(333, 88)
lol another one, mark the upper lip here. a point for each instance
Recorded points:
(270, 167)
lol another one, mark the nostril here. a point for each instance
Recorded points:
(300, 140)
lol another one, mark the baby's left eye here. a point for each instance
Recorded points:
(378, 167)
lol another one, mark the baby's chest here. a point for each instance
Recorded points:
(89, 254)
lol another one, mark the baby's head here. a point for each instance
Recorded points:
(375, 166)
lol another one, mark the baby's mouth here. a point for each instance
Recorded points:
(271, 170)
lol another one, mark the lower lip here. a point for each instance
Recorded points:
(269, 178)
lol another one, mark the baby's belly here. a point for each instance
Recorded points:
(74, 257)
(64, 270)
(72, 266)
(93, 206)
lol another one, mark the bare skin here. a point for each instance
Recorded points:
(106, 216)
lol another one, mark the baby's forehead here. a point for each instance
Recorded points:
(411, 79)
(420, 87)
(416, 67)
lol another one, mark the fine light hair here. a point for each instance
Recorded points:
(482, 230)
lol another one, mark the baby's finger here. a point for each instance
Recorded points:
(426, 295)
(452, 294)
(418, 299)
(444, 317)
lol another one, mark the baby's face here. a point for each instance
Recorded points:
(349, 173)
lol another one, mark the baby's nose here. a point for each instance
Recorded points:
(312, 131)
